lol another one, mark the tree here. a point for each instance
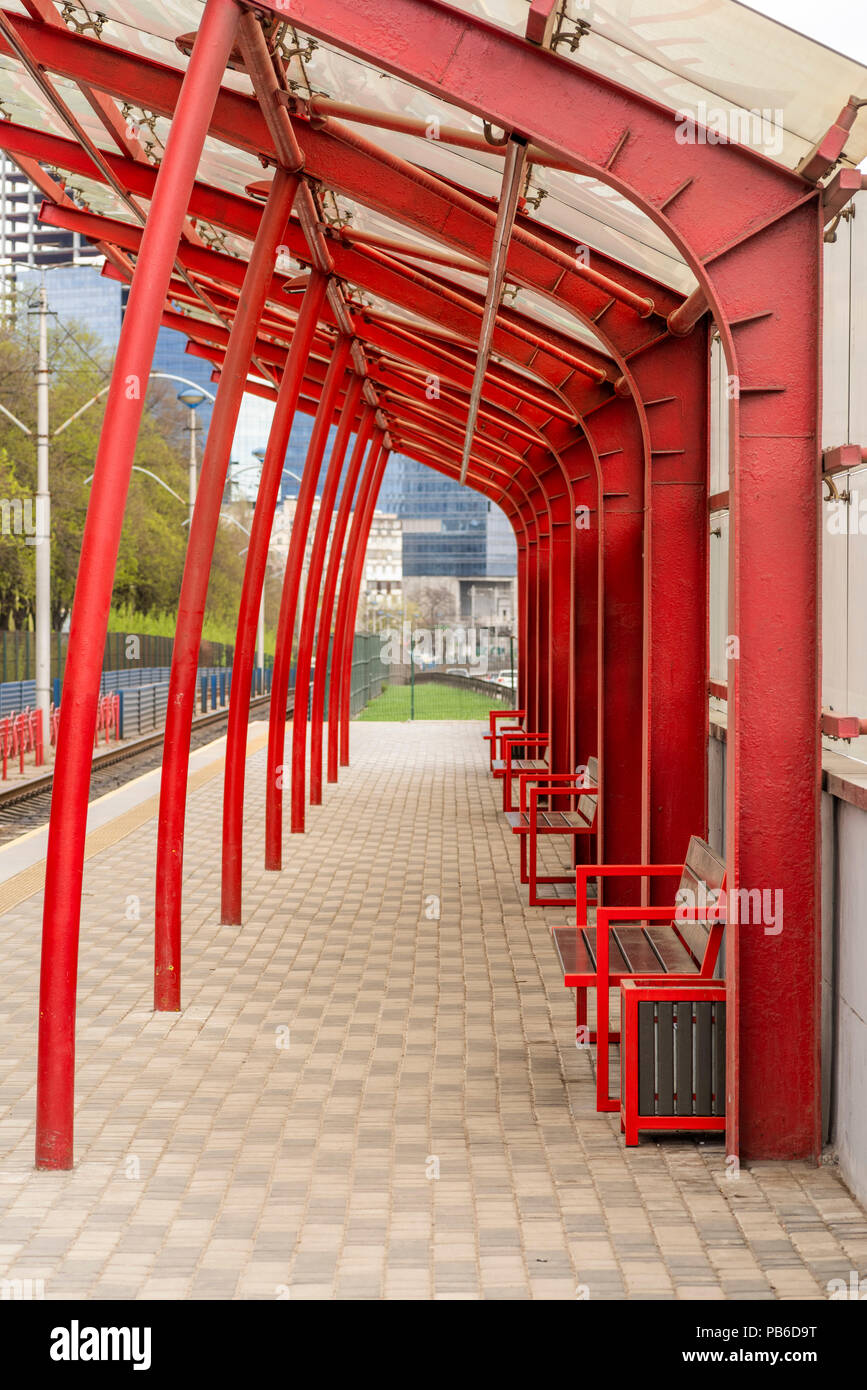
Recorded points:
(153, 541)
(435, 604)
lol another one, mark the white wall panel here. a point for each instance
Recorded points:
(836, 340)
(857, 230)
(719, 584)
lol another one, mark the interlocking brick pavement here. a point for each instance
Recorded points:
(362, 1098)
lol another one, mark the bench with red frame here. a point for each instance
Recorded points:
(673, 1055)
(494, 733)
(531, 820)
(678, 942)
(510, 765)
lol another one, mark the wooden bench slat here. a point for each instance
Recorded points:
(719, 1057)
(683, 1058)
(646, 1077)
(561, 820)
(702, 1081)
(665, 1058)
(575, 959)
(637, 950)
(617, 962)
(675, 957)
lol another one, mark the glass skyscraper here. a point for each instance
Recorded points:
(448, 530)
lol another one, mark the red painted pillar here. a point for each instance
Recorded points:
(326, 611)
(352, 606)
(65, 856)
(521, 653)
(560, 638)
(194, 592)
(618, 439)
(543, 626)
(340, 625)
(589, 706)
(771, 287)
(289, 603)
(311, 600)
(531, 678)
(251, 595)
(672, 377)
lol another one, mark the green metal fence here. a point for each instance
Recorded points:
(437, 696)
(369, 672)
(123, 651)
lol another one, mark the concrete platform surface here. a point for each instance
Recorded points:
(373, 1089)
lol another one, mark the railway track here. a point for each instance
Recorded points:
(24, 808)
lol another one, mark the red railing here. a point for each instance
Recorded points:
(20, 734)
(107, 718)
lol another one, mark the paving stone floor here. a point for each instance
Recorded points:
(373, 1089)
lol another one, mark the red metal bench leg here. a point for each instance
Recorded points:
(534, 850)
(582, 1032)
(629, 1101)
(604, 1100)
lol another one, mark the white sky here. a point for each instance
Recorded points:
(841, 24)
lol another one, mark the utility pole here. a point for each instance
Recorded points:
(193, 465)
(43, 525)
(260, 642)
(192, 398)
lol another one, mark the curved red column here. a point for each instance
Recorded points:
(289, 605)
(194, 592)
(521, 625)
(352, 592)
(251, 595)
(340, 623)
(68, 823)
(326, 612)
(311, 601)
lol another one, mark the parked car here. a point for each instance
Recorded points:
(457, 671)
(508, 678)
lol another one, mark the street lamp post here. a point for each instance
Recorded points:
(42, 521)
(192, 398)
(260, 631)
(43, 525)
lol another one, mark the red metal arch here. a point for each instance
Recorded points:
(733, 215)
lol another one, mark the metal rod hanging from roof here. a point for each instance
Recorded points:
(261, 69)
(516, 157)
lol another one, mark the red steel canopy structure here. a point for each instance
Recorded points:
(495, 237)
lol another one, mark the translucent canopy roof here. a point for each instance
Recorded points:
(710, 58)
(715, 54)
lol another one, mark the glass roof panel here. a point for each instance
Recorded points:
(720, 53)
(696, 55)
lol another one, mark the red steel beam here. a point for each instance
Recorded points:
(194, 591)
(342, 628)
(289, 606)
(326, 613)
(67, 827)
(349, 604)
(341, 159)
(307, 628)
(251, 593)
(546, 351)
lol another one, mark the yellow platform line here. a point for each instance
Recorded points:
(21, 886)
